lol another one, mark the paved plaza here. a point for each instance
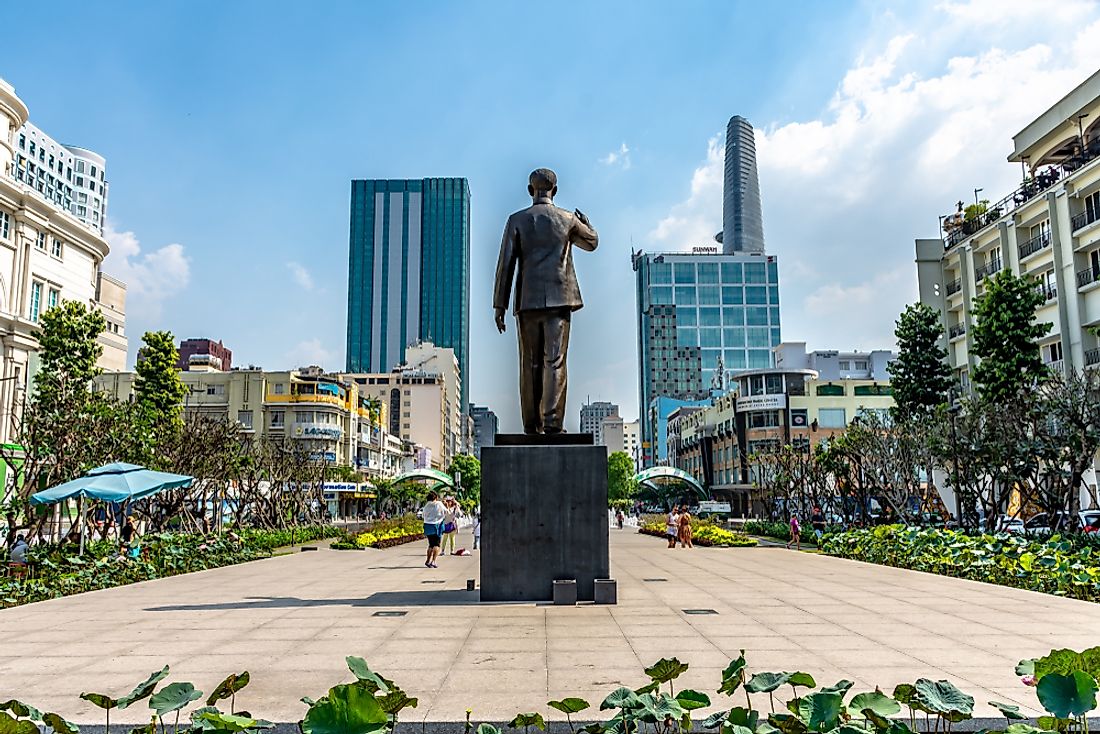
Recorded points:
(290, 621)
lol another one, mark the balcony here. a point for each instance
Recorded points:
(1087, 276)
(1039, 242)
(954, 286)
(1092, 357)
(1048, 292)
(956, 331)
(1084, 219)
(1056, 366)
(991, 267)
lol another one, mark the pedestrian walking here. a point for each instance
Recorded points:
(796, 533)
(450, 524)
(685, 529)
(433, 514)
(619, 518)
(817, 521)
(477, 531)
(672, 526)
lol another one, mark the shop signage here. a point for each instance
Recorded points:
(761, 402)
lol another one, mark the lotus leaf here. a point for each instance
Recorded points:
(60, 725)
(841, 686)
(396, 701)
(942, 697)
(821, 711)
(904, 693)
(1024, 729)
(666, 669)
(21, 710)
(787, 723)
(487, 729)
(690, 700)
(1067, 695)
(214, 720)
(766, 728)
(11, 725)
(1063, 661)
(228, 688)
(173, 697)
(874, 701)
(766, 682)
(346, 709)
(715, 719)
(527, 720)
(658, 707)
(569, 705)
(736, 729)
(1009, 710)
(373, 681)
(648, 688)
(805, 680)
(621, 698)
(734, 675)
(743, 716)
(143, 689)
(101, 700)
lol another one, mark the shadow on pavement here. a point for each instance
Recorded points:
(455, 597)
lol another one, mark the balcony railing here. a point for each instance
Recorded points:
(956, 229)
(1087, 276)
(1057, 365)
(991, 267)
(954, 286)
(1092, 357)
(1084, 219)
(1035, 244)
(956, 331)
(1048, 292)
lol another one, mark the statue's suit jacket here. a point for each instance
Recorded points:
(537, 249)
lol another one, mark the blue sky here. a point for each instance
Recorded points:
(232, 130)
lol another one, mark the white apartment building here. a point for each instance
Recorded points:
(831, 364)
(621, 435)
(74, 179)
(1048, 228)
(593, 416)
(47, 255)
(424, 356)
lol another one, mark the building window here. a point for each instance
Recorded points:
(278, 418)
(36, 301)
(215, 389)
(830, 390)
(244, 417)
(861, 365)
(831, 418)
(58, 248)
(1053, 352)
(40, 243)
(53, 299)
(861, 390)
(5, 225)
(279, 388)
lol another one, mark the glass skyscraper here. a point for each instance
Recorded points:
(742, 220)
(408, 271)
(698, 310)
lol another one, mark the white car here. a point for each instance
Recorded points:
(1014, 525)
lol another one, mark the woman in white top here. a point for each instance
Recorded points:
(433, 513)
(450, 523)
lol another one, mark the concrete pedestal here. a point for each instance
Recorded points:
(543, 517)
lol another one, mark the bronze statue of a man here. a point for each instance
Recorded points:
(538, 248)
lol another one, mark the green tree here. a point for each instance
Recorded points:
(620, 476)
(159, 390)
(469, 487)
(920, 377)
(69, 350)
(1005, 337)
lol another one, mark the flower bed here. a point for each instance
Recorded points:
(703, 533)
(385, 534)
(59, 571)
(1053, 566)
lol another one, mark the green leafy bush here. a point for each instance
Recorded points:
(1053, 565)
(59, 571)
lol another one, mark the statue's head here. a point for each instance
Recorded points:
(543, 182)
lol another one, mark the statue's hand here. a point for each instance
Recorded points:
(580, 215)
(500, 320)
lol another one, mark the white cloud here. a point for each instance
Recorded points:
(301, 275)
(151, 277)
(620, 157)
(914, 125)
(310, 352)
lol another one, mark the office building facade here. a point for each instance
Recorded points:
(409, 271)
(742, 218)
(702, 316)
(202, 353)
(485, 428)
(593, 415)
(48, 255)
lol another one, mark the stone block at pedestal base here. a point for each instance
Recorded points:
(607, 591)
(543, 518)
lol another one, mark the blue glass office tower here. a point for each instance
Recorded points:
(694, 309)
(742, 220)
(408, 271)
